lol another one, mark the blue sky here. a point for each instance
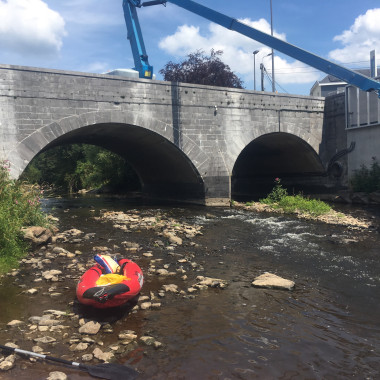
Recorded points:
(90, 35)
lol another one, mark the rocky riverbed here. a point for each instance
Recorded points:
(83, 334)
(172, 259)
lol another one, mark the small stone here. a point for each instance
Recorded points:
(103, 356)
(146, 305)
(6, 365)
(57, 375)
(90, 328)
(32, 291)
(87, 357)
(45, 339)
(15, 323)
(148, 340)
(80, 347)
(170, 288)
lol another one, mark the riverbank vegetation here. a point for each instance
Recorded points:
(19, 207)
(366, 179)
(279, 198)
(70, 168)
(278, 201)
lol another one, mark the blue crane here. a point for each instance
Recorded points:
(146, 71)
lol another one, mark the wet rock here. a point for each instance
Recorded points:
(90, 328)
(269, 280)
(172, 288)
(87, 357)
(131, 246)
(32, 291)
(57, 375)
(8, 363)
(51, 275)
(127, 336)
(15, 323)
(145, 305)
(57, 313)
(164, 272)
(210, 282)
(37, 349)
(147, 340)
(103, 356)
(37, 235)
(45, 339)
(172, 238)
(79, 347)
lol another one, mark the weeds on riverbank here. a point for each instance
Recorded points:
(367, 179)
(19, 207)
(279, 198)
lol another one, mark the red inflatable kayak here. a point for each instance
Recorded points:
(89, 292)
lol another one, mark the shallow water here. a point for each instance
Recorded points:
(327, 328)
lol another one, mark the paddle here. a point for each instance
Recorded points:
(108, 371)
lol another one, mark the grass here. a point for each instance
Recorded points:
(19, 207)
(278, 198)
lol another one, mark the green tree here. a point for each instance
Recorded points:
(70, 168)
(199, 68)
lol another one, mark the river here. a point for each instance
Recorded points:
(328, 327)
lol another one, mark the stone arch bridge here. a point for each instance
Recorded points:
(186, 142)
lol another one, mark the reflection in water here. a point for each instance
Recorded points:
(328, 327)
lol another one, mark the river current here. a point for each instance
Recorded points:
(328, 327)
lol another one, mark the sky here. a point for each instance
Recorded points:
(91, 36)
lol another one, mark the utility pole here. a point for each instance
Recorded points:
(262, 76)
(271, 32)
(254, 69)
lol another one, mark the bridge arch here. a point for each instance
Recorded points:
(274, 155)
(165, 170)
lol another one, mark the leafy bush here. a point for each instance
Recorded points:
(69, 168)
(367, 180)
(19, 207)
(279, 198)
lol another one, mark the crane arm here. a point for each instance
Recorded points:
(136, 40)
(347, 75)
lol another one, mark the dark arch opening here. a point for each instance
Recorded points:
(165, 172)
(275, 155)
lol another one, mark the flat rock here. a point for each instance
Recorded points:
(15, 323)
(90, 328)
(269, 280)
(103, 356)
(57, 375)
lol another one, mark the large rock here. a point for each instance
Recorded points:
(37, 235)
(269, 280)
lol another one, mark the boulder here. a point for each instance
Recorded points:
(37, 235)
(269, 280)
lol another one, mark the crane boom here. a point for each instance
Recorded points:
(313, 60)
(136, 40)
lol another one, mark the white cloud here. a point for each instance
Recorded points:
(30, 27)
(237, 50)
(362, 37)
